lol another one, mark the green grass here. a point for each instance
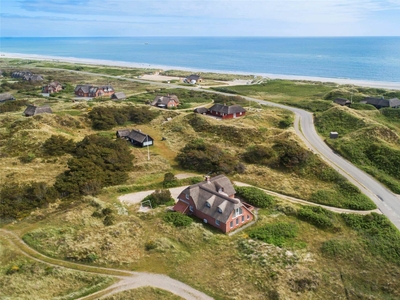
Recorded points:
(144, 293)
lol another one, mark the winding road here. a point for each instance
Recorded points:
(387, 202)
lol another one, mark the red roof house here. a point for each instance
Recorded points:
(226, 112)
(213, 201)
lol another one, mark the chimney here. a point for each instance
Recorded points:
(207, 178)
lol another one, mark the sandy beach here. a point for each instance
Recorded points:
(364, 83)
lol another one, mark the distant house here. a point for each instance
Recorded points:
(226, 112)
(201, 110)
(342, 101)
(382, 103)
(168, 101)
(26, 75)
(136, 137)
(6, 97)
(118, 96)
(33, 110)
(214, 202)
(87, 90)
(52, 87)
(193, 79)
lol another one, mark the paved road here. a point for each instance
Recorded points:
(387, 202)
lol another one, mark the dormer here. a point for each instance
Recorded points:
(222, 206)
(210, 201)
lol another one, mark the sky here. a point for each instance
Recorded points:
(287, 18)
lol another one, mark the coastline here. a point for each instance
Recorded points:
(110, 63)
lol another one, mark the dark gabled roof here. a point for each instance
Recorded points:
(342, 101)
(6, 96)
(232, 109)
(33, 110)
(215, 192)
(138, 136)
(193, 77)
(119, 96)
(381, 102)
(54, 84)
(201, 110)
(123, 132)
(84, 87)
(35, 77)
(164, 100)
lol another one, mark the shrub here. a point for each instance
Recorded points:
(202, 157)
(170, 180)
(57, 145)
(160, 197)
(317, 216)
(177, 219)
(277, 234)
(150, 245)
(379, 234)
(98, 161)
(108, 220)
(254, 196)
(337, 248)
(27, 158)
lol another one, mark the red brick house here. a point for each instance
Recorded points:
(52, 87)
(166, 101)
(213, 201)
(226, 112)
(87, 90)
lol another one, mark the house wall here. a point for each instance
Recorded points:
(248, 217)
(227, 116)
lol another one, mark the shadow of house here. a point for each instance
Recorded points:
(168, 101)
(226, 112)
(213, 201)
(33, 110)
(342, 101)
(135, 137)
(382, 103)
(6, 97)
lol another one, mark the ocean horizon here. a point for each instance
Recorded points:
(357, 58)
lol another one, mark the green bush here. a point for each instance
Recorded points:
(202, 157)
(170, 180)
(336, 248)
(97, 162)
(277, 234)
(379, 234)
(160, 197)
(177, 219)
(254, 196)
(57, 145)
(27, 158)
(316, 216)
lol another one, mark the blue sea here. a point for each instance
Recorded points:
(363, 58)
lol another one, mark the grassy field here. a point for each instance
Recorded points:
(146, 293)
(24, 278)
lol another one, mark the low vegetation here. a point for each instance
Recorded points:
(159, 197)
(254, 196)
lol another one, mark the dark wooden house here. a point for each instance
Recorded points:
(342, 101)
(226, 112)
(382, 103)
(33, 110)
(136, 137)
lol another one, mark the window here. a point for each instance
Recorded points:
(217, 222)
(237, 221)
(187, 196)
(220, 210)
(238, 212)
(208, 204)
(242, 219)
(248, 217)
(231, 224)
(191, 208)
